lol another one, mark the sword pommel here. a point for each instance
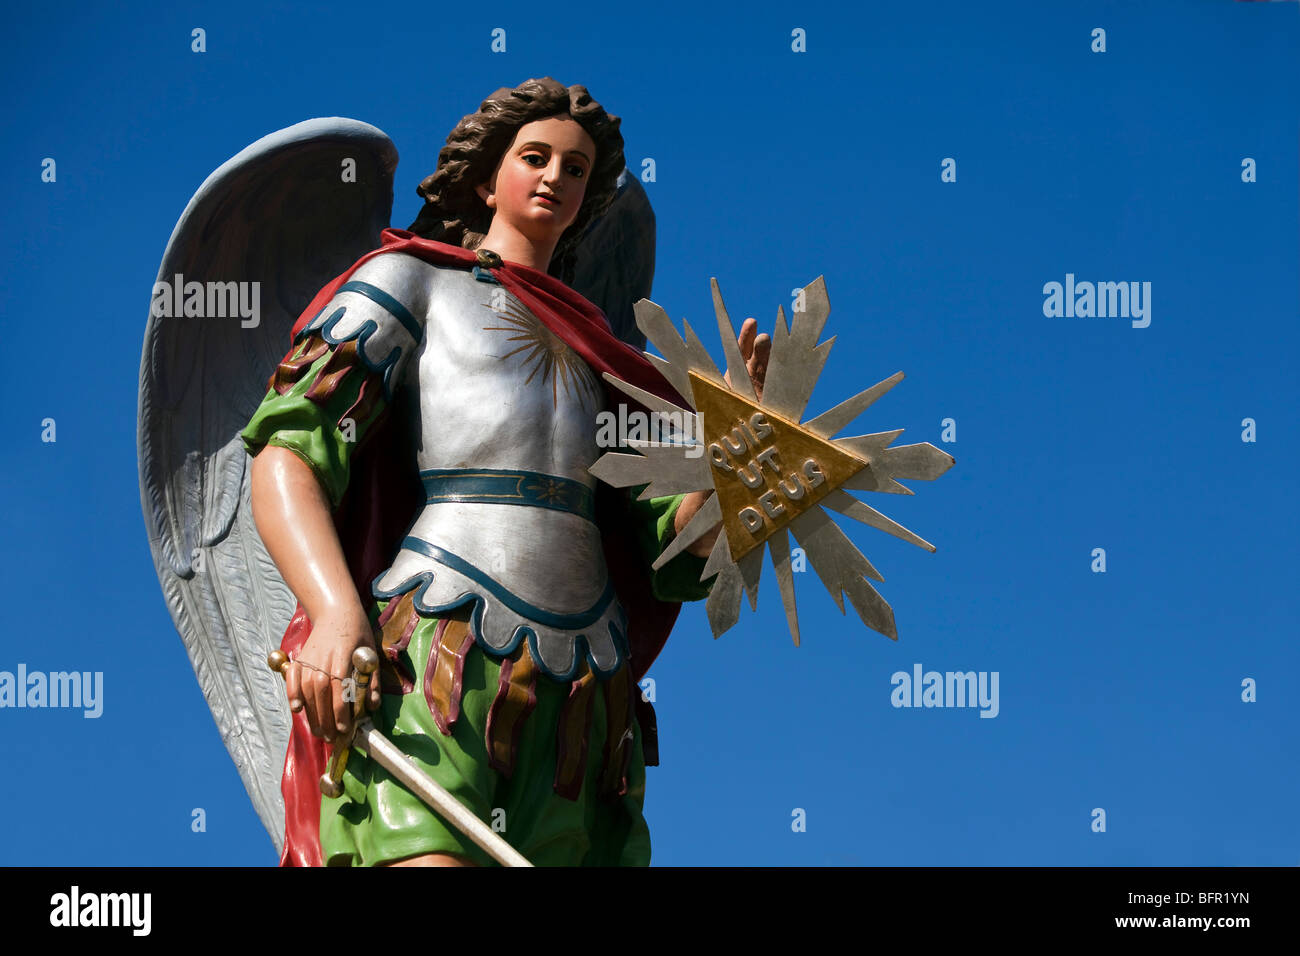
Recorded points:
(365, 660)
(277, 660)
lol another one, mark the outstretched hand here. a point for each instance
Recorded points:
(755, 349)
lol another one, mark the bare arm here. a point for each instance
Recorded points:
(692, 503)
(292, 514)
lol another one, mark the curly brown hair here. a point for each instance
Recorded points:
(455, 213)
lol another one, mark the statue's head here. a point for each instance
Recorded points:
(455, 213)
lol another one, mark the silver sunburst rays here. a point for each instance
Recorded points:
(772, 475)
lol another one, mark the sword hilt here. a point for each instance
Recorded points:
(373, 744)
(364, 664)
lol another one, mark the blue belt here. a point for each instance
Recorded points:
(501, 487)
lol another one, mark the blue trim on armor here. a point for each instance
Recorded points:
(420, 582)
(483, 275)
(386, 302)
(362, 332)
(509, 487)
(366, 329)
(561, 622)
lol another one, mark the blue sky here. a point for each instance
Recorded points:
(1119, 690)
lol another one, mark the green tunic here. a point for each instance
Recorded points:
(376, 820)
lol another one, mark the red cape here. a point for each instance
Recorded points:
(382, 500)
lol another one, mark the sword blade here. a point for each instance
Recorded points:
(381, 750)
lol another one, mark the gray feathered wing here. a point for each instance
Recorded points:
(280, 213)
(291, 213)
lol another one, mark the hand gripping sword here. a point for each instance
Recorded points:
(364, 737)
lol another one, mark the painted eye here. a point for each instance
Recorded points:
(577, 172)
(531, 156)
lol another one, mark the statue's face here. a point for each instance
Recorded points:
(541, 179)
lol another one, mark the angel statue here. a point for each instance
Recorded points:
(414, 477)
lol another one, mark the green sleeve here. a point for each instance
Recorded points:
(679, 579)
(325, 429)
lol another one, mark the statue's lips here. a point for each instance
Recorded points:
(550, 200)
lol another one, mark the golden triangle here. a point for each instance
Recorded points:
(767, 470)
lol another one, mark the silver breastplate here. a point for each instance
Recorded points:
(505, 429)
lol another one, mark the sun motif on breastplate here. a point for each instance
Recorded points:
(544, 352)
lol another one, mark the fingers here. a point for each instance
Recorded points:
(320, 706)
(342, 706)
(756, 350)
(748, 330)
(761, 353)
(325, 698)
(757, 365)
(323, 677)
(293, 685)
